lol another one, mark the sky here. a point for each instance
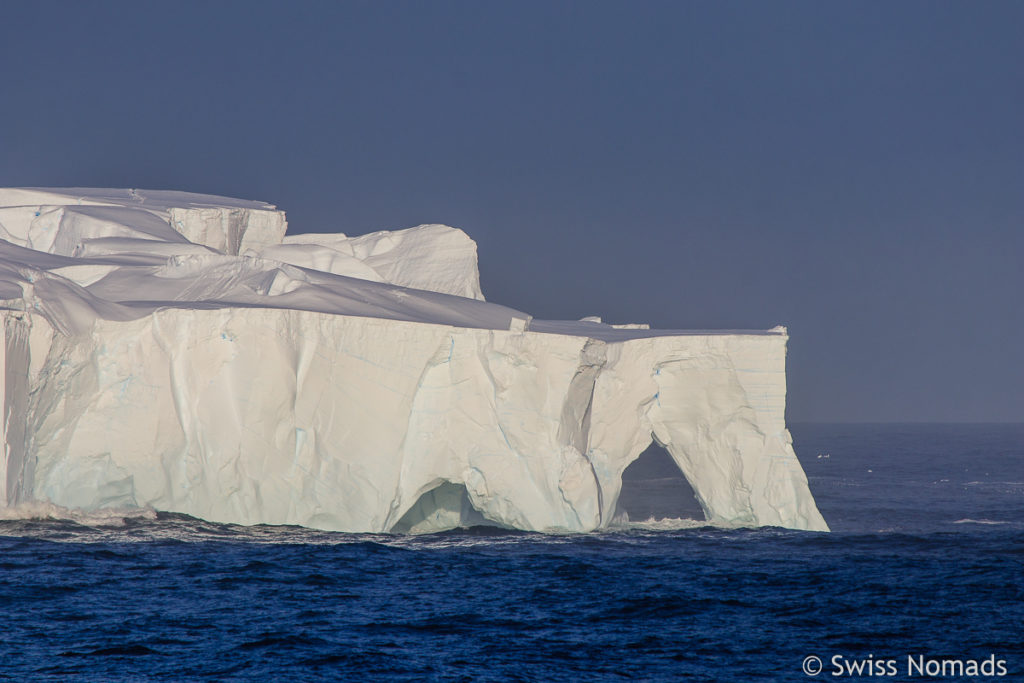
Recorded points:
(854, 171)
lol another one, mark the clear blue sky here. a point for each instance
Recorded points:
(854, 171)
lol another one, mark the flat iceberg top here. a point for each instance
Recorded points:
(155, 200)
(75, 255)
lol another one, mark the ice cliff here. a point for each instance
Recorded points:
(178, 351)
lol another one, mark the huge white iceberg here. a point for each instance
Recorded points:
(179, 352)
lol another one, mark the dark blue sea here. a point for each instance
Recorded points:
(922, 578)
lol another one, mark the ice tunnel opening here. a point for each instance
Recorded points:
(654, 488)
(444, 507)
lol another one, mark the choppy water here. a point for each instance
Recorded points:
(926, 560)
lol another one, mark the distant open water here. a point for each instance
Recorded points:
(926, 559)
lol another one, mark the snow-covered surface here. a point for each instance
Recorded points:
(173, 351)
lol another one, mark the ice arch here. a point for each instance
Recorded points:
(717, 406)
(653, 487)
(446, 506)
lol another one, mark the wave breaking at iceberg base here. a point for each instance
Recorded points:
(54, 524)
(105, 517)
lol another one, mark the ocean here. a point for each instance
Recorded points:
(922, 578)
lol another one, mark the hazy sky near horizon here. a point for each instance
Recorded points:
(854, 171)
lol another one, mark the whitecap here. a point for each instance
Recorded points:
(42, 510)
(980, 521)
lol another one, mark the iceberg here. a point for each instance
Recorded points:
(178, 352)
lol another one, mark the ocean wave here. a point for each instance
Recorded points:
(993, 522)
(46, 521)
(107, 517)
(668, 524)
(1009, 485)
